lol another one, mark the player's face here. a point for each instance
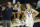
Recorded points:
(9, 5)
(28, 6)
(18, 3)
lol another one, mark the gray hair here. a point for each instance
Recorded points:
(8, 2)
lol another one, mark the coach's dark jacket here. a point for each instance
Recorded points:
(7, 13)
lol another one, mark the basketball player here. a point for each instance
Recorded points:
(30, 14)
(18, 7)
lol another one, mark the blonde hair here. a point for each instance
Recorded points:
(29, 5)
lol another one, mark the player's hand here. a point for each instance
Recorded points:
(19, 10)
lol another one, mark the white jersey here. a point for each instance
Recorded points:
(17, 7)
(29, 18)
(29, 14)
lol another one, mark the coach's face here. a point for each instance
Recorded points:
(9, 5)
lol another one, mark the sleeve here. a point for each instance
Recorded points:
(14, 10)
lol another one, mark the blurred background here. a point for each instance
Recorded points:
(35, 4)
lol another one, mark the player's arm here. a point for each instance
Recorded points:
(14, 10)
(20, 5)
(15, 7)
(35, 12)
(25, 13)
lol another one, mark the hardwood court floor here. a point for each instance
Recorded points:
(12, 25)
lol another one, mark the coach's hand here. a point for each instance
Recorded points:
(3, 8)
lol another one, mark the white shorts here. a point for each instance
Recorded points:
(29, 22)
